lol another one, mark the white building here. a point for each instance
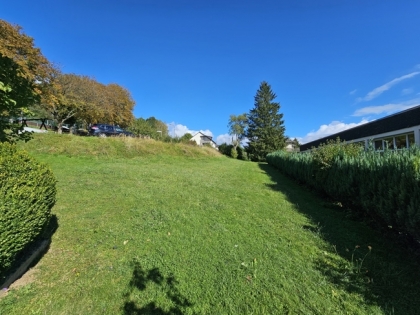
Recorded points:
(201, 139)
(397, 131)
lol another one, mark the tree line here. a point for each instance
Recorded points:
(32, 86)
(154, 128)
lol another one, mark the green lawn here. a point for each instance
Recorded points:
(162, 234)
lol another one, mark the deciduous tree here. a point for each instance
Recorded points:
(237, 126)
(24, 75)
(67, 97)
(141, 127)
(81, 98)
(159, 127)
(186, 138)
(120, 105)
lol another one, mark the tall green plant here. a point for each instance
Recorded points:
(327, 154)
(27, 190)
(385, 185)
(265, 131)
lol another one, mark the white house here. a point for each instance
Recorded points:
(201, 139)
(291, 146)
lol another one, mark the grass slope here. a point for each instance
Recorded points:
(177, 233)
(114, 147)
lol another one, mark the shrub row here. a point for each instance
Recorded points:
(229, 150)
(385, 185)
(27, 194)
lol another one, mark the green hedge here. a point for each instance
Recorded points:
(385, 185)
(27, 194)
(229, 150)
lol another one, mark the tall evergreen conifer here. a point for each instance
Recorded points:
(266, 129)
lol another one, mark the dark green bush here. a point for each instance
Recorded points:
(225, 148)
(327, 154)
(27, 194)
(242, 155)
(229, 150)
(384, 185)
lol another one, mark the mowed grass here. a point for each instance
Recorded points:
(192, 233)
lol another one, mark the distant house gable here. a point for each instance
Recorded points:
(291, 146)
(202, 139)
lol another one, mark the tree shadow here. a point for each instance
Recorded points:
(360, 259)
(140, 281)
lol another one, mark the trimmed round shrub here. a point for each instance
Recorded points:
(27, 194)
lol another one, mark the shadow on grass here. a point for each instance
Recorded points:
(359, 258)
(30, 255)
(140, 281)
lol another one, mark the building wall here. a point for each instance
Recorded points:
(392, 134)
(201, 139)
(405, 122)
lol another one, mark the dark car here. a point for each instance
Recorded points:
(64, 129)
(104, 130)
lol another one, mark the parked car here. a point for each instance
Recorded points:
(104, 130)
(64, 129)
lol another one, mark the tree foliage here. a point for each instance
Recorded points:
(160, 129)
(384, 185)
(81, 98)
(119, 104)
(65, 98)
(24, 75)
(229, 150)
(265, 130)
(150, 127)
(30, 84)
(296, 144)
(28, 192)
(186, 138)
(237, 126)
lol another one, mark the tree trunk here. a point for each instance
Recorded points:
(59, 128)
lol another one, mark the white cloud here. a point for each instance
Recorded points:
(178, 130)
(353, 92)
(207, 132)
(379, 90)
(387, 109)
(407, 91)
(326, 130)
(225, 138)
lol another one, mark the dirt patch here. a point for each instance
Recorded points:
(23, 276)
(27, 278)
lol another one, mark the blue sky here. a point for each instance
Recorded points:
(333, 64)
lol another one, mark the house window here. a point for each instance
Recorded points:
(378, 145)
(401, 141)
(389, 143)
(396, 142)
(411, 140)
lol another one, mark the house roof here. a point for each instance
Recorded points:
(405, 119)
(209, 137)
